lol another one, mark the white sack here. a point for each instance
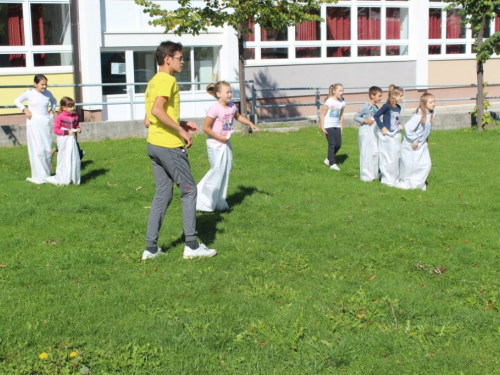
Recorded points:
(39, 137)
(68, 162)
(389, 147)
(212, 189)
(415, 166)
(368, 152)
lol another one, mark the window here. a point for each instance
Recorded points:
(447, 36)
(49, 31)
(204, 70)
(352, 28)
(144, 69)
(113, 70)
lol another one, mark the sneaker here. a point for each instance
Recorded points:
(334, 167)
(82, 154)
(200, 252)
(327, 162)
(149, 255)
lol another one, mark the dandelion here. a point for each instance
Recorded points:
(73, 354)
(43, 355)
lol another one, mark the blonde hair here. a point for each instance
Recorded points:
(66, 101)
(423, 107)
(214, 88)
(394, 90)
(332, 88)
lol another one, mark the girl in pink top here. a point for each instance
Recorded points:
(218, 125)
(66, 126)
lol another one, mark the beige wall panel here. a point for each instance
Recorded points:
(457, 72)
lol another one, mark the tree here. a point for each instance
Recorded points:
(269, 14)
(479, 14)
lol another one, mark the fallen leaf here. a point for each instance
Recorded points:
(3, 266)
(356, 176)
(251, 329)
(421, 283)
(139, 188)
(466, 241)
(324, 342)
(51, 195)
(373, 277)
(430, 355)
(76, 281)
(263, 343)
(287, 207)
(448, 249)
(154, 268)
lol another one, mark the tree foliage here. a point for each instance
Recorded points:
(189, 18)
(478, 14)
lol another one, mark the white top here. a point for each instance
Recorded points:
(38, 102)
(332, 117)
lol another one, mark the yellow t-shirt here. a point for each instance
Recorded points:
(163, 84)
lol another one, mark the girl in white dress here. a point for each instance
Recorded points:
(415, 163)
(39, 115)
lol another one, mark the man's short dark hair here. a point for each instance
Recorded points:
(165, 49)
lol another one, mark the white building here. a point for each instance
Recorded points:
(412, 43)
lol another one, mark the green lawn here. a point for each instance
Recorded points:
(316, 272)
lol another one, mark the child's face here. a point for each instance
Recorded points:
(339, 91)
(41, 86)
(398, 97)
(431, 103)
(377, 98)
(68, 109)
(225, 94)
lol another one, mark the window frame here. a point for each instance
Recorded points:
(29, 49)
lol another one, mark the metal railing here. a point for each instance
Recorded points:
(316, 93)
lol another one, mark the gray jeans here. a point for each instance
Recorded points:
(171, 165)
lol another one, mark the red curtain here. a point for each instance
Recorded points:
(338, 23)
(393, 29)
(369, 23)
(38, 32)
(453, 31)
(250, 37)
(16, 33)
(307, 30)
(435, 16)
(369, 29)
(497, 24)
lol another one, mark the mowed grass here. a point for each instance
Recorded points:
(317, 272)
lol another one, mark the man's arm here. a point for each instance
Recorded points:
(159, 112)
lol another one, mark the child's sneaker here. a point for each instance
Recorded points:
(149, 255)
(327, 162)
(200, 252)
(335, 167)
(82, 154)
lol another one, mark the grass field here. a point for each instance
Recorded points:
(316, 272)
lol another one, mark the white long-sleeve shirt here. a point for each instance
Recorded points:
(38, 102)
(415, 130)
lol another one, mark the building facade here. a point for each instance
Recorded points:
(412, 43)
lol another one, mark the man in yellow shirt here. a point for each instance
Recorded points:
(167, 144)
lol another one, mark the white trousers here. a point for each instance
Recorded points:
(368, 152)
(212, 189)
(39, 137)
(68, 162)
(415, 166)
(389, 147)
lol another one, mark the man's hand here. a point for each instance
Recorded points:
(187, 138)
(190, 127)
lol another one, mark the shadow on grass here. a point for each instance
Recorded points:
(206, 222)
(84, 164)
(341, 158)
(92, 175)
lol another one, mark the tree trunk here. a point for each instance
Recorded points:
(241, 75)
(480, 79)
(480, 96)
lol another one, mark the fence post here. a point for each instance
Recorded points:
(131, 98)
(254, 103)
(318, 103)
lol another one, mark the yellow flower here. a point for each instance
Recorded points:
(43, 355)
(73, 354)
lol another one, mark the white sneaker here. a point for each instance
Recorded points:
(335, 167)
(327, 162)
(149, 255)
(200, 252)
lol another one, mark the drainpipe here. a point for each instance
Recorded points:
(75, 41)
